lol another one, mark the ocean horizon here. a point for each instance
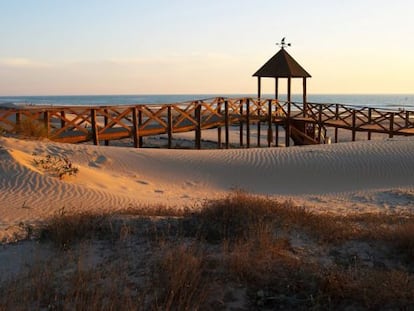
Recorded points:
(383, 101)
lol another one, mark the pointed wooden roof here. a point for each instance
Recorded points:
(282, 65)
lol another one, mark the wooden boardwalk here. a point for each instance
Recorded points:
(303, 123)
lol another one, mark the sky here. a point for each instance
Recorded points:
(99, 47)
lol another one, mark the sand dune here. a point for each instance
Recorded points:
(359, 176)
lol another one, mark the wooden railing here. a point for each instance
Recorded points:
(75, 124)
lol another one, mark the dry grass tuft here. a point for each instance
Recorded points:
(155, 211)
(235, 217)
(402, 240)
(66, 229)
(32, 128)
(258, 261)
(367, 288)
(61, 284)
(180, 277)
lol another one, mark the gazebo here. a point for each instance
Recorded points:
(282, 65)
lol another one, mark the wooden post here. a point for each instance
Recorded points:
(135, 127)
(226, 122)
(353, 124)
(18, 121)
(319, 123)
(169, 126)
(140, 138)
(258, 123)
(287, 127)
(94, 127)
(407, 119)
(336, 118)
(241, 124)
(277, 103)
(276, 88)
(46, 122)
(305, 104)
(369, 122)
(259, 88)
(391, 133)
(62, 117)
(247, 123)
(198, 125)
(219, 127)
(269, 123)
(277, 135)
(259, 95)
(106, 123)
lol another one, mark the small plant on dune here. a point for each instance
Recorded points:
(59, 166)
(32, 128)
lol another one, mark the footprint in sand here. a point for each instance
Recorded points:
(93, 164)
(143, 182)
(98, 161)
(101, 159)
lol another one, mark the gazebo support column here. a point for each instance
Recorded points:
(277, 135)
(247, 123)
(241, 125)
(276, 88)
(258, 126)
(269, 123)
(287, 127)
(304, 99)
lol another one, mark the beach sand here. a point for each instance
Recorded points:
(338, 178)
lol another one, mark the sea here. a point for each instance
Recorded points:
(383, 101)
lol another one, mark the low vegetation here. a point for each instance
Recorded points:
(240, 252)
(31, 128)
(59, 166)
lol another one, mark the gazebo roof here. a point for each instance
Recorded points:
(282, 65)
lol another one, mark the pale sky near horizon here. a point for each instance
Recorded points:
(57, 47)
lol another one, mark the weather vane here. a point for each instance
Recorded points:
(283, 43)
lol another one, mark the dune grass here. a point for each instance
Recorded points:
(31, 128)
(242, 251)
